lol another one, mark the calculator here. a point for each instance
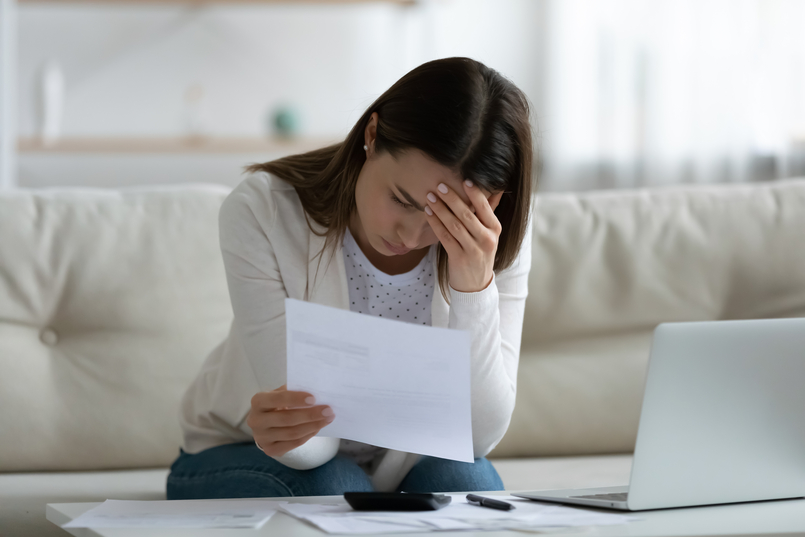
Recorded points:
(396, 501)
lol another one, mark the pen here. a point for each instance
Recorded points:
(489, 502)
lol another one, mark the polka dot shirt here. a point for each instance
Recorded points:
(402, 297)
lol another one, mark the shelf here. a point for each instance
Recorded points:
(174, 145)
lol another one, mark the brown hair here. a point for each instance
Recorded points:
(460, 113)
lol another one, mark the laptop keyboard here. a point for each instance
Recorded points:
(613, 496)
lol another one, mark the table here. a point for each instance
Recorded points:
(785, 517)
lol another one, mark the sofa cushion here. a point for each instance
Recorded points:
(578, 396)
(24, 497)
(109, 301)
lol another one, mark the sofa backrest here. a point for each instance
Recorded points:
(111, 300)
(616, 261)
(609, 266)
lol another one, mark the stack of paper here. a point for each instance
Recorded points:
(177, 514)
(459, 515)
(337, 517)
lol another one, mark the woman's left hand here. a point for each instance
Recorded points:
(468, 234)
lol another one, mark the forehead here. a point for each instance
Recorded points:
(418, 174)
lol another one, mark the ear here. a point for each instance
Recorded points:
(494, 200)
(370, 132)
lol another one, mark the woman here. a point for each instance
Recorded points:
(422, 213)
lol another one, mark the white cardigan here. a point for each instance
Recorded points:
(269, 254)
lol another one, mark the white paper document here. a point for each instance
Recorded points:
(177, 514)
(390, 384)
(459, 515)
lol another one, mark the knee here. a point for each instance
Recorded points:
(229, 484)
(241, 471)
(441, 475)
(480, 466)
(337, 476)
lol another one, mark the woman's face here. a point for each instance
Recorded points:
(391, 195)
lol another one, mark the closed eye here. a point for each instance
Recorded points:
(404, 205)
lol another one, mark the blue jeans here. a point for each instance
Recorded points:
(243, 471)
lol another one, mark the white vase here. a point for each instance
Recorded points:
(51, 102)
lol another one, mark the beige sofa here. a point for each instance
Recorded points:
(110, 300)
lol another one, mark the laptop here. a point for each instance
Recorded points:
(721, 422)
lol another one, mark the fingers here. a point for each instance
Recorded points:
(457, 225)
(485, 208)
(278, 429)
(451, 245)
(293, 417)
(494, 200)
(454, 214)
(287, 434)
(281, 398)
(450, 231)
(277, 449)
(267, 414)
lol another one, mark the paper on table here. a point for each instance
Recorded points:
(177, 514)
(459, 515)
(390, 384)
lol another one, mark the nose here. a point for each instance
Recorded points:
(412, 236)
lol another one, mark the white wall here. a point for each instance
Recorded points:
(8, 119)
(127, 68)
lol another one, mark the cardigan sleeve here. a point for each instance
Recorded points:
(258, 294)
(494, 318)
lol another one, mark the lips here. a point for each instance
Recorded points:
(399, 250)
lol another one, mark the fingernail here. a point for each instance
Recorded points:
(310, 400)
(432, 197)
(442, 188)
(428, 211)
(468, 183)
(327, 412)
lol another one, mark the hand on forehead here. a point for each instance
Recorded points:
(418, 175)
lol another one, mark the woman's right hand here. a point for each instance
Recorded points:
(282, 420)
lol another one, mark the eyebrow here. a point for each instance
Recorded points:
(411, 200)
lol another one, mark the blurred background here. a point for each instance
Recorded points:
(625, 93)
